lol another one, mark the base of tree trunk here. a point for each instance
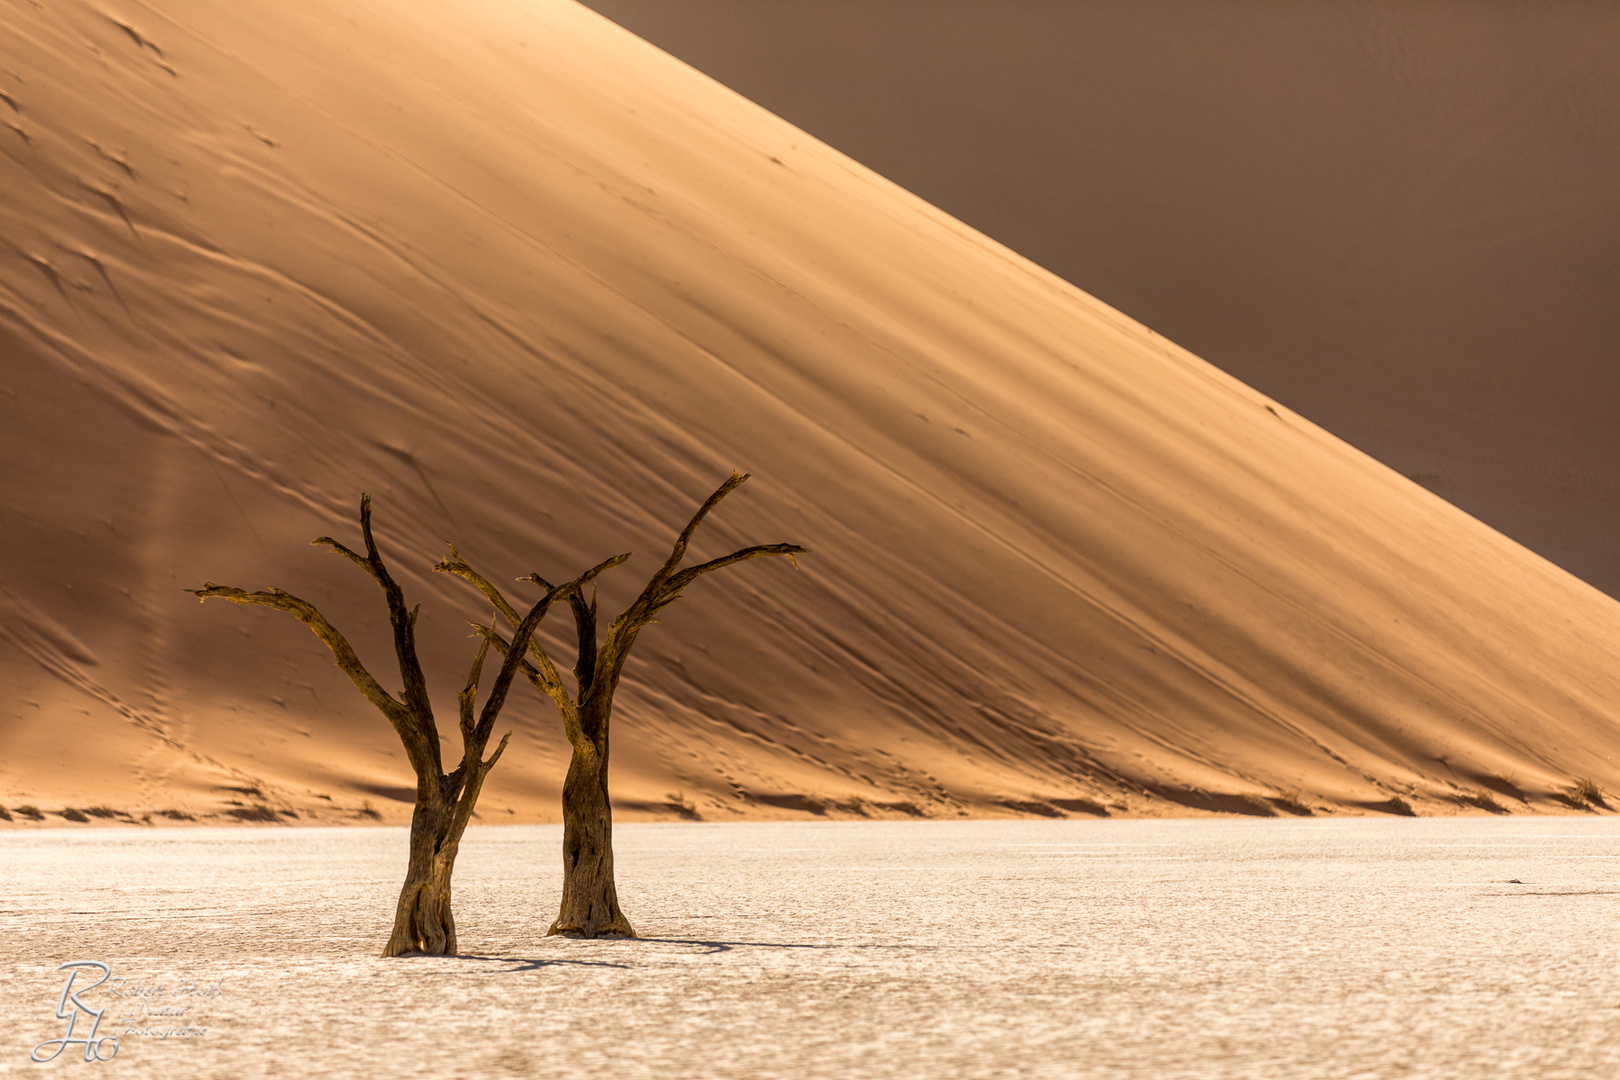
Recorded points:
(423, 922)
(620, 929)
(590, 900)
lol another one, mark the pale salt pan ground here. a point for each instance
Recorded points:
(1312, 949)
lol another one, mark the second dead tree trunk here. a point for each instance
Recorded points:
(423, 921)
(590, 901)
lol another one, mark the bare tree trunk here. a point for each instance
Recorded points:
(590, 901)
(423, 922)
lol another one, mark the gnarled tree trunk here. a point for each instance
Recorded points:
(423, 920)
(590, 900)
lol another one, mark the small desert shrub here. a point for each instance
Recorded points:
(74, 815)
(367, 810)
(177, 815)
(1584, 790)
(1039, 809)
(5, 815)
(683, 806)
(1484, 801)
(103, 812)
(1397, 805)
(1292, 802)
(1081, 806)
(256, 812)
(32, 813)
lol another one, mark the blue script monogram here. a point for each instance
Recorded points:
(93, 1046)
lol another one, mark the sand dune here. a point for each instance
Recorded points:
(1401, 219)
(538, 287)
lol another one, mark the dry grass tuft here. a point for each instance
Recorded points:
(74, 815)
(367, 810)
(1292, 802)
(1483, 800)
(1081, 806)
(256, 812)
(1397, 805)
(177, 815)
(1583, 790)
(32, 813)
(683, 806)
(104, 812)
(5, 815)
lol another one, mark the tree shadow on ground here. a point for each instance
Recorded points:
(528, 963)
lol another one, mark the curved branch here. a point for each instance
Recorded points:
(509, 666)
(585, 627)
(544, 676)
(347, 659)
(664, 589)
(672, 588)
(403, 621)
(675, 556)
(566, 707)
(469, 693)
(353, 556)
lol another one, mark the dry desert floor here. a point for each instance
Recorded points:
(1206, 949)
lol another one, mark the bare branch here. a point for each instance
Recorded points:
(496, 756)
(347, 659)
(353, 556)
(529, 671)
(664, 589)
(585, 625)
(566, 706)
(545, 677)
(509, 666)
(470, 693)
(672, 588)
(675, 556)
(404, 625)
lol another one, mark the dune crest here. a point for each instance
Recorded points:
(538, 286)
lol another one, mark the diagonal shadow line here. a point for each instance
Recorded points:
(531, 964)
(727, 946)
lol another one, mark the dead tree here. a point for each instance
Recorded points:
(590, 902)
(423, 923)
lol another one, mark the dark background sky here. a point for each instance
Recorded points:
(1401, 220)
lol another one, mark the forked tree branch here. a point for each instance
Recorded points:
(585, 627)
(734, 481)
(469, 693)
(544, 673)
(671, 591)
(662, 590)
(403, 622)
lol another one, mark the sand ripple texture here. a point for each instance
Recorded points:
(1163, 949)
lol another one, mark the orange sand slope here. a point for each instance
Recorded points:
(538, 287)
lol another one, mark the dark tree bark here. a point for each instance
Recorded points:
(590, 901)
(423, 920)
